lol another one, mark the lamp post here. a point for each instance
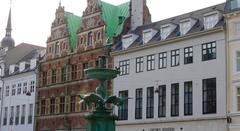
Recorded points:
(101, 119)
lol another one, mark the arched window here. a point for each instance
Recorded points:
(98, 35)
(57, 50)
(90, 39)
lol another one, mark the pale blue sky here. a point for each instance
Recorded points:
(31, 19)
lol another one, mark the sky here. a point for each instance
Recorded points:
(31, 19)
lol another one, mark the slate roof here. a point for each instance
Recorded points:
(20, 53)
(110, 15)
(197, 15)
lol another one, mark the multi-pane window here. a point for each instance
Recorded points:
(19, 88)
(5, 116)
(162, 101)
(162, 63)
(54, 76)
(24, 87)
(17, 115)
(138, 104)
(139, 64)
(209, 96)
(209, 51)
(123, 109)
(30, 114)
(52, 105)
(74, 72)
(175, 99)
(13, 90)
(210, 21)
(188, 55)
(90, 39)
(83, 106)
(32, 86)
(43, 107)
(64, 74)
(124, 67)
(23, 114)
(73, 103)
(84, 67)
(238, 61)
(150, 102)
(238, 99)
(11, 115)
(44, 79)
(188, 99)
(150, 62)
(7, 91)
(62, 104)
(175, 58)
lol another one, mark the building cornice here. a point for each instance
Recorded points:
(169, 41)
(157, 121)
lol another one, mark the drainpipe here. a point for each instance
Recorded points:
(36, 71)
(1, 78)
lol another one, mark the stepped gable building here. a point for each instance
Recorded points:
(74, 45)
(175, 71)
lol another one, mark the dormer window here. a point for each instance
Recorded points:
(127, 40)
(211, 19)
(22, 66)
(166, 30)
(186, 25)
(33, 63)
(12, 69)
(148, 35)
(235, 4)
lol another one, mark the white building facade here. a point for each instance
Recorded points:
(19, 102)
(174, 71)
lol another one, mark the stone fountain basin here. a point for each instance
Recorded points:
(101, 74)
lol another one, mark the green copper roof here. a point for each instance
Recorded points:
(73, 23)
(111, 14)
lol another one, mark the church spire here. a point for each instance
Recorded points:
(9, 25)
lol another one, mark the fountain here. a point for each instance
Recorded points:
(101, 119)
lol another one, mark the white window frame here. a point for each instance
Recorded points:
(235, 71)
(185, 26)
(234, 105)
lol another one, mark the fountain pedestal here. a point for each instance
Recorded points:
(102, 118)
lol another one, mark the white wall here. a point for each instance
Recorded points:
(195, 72)
(18, 100)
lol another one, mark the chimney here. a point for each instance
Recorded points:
(136, 13)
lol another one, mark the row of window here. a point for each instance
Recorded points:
(20, 88)
(64, 74)
(15, 117)
(208, 100)
(90, 40)
(208, 53)
(63, 105)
